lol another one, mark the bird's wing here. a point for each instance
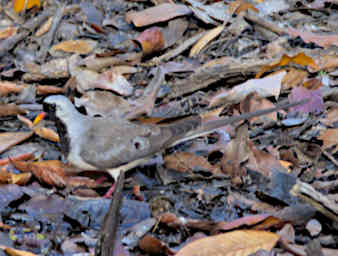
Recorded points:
(110, 143)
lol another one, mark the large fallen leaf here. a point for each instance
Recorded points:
(330, 139)
(321, 40)
(9, 139)
(332, 117)
(159, 13)
(11, 109)
(265, 87)
(236, 243)
(315, 103)
(52, 172)
(301, 59)
(151, 40)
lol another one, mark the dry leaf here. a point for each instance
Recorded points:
(25, 156)
(9, 87)
(264, 87)
(159, 13)
(332, 117)
(75, 46)
(308, 37)
(152, 245)
(210, 35)
(243, 242)
(22, 5)
(46, 133)
(151, 40)
(300, 59)
(52, 172)
(19, 179)
(9, 139)
(330, 139)
(262, 161)
(188, 162)
(315, 103)
(294, 78)
(44, 28)
(11, 109)
(240, 6)
(7, 32)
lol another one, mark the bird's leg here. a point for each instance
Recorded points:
(115, 172)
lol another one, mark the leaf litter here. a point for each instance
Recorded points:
(260, 187)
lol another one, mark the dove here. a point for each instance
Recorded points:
(115, 144)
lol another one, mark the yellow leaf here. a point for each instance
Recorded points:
(21, 5)
(205, 40)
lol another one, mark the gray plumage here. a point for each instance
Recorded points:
(104, 143)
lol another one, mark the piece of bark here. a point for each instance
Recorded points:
(106, 244)
(319, 201)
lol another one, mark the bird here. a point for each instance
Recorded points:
(115, 144)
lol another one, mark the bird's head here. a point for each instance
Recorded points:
(59, 106)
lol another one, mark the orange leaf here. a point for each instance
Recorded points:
(39, 117)
(300, 59)
(22, 5)
(15, 252)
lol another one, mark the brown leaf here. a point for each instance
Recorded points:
(9, 87)
(243, 242)
(152, 245)
(330, 139)
(9, 139)
(261, 161)
(308, 37)
(25, 156)
(151, 40)
(188, 162)
(11, 109)
(159, 13)
(332, 117)
(244, 221)
(234, 153)
(75, 46)
(294, 78)
(47, 89)
(252, 104)
(52, 172)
